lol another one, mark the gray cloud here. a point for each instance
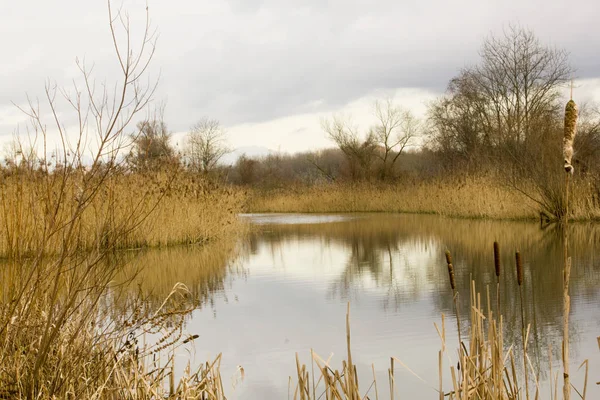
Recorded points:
(252, 60)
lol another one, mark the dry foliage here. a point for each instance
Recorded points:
(184, 208)
(63, 220)
(487, 367)
(468, 197)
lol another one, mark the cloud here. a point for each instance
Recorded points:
(254, 62)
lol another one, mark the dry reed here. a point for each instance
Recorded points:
(497, 270)
(473, 197)
(524, 335)
(488, 369)
(479, 197)
(570, 129)
(185, 209)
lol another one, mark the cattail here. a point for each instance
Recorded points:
(448, 257)
(519, 268)
(497, 259)
(569, 135)
(450, 269)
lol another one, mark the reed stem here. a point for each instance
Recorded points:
(519, 263)
(566, 298)
(461, 363)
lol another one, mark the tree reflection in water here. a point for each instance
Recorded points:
(402, 257)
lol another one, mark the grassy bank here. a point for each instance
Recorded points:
(72, 324)
(134, 210)
(471, 197)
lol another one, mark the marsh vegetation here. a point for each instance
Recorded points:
(112, 242)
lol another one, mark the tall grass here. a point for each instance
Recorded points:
(488, 366)
(62, 222)
(184, 209)
(468, 197)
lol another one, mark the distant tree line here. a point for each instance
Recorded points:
(502, 116)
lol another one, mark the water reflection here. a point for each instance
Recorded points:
(400, 257)
(284, 287)
(205, 270)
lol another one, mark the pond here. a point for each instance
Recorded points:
(286, 288)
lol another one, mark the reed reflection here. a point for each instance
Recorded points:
(402, 256)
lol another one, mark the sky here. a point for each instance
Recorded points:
(269, 70)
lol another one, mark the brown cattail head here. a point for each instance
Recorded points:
(497, 259)
(519, 268)
(448, 257)
(451, 274)
(569, 134)
(450, 269)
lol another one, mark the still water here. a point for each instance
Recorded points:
(285, 287)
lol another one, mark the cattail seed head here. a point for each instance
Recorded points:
(451, 274)
(497, 259)
(450, 270)
(448, 257)
(519, 268)
(569, 134)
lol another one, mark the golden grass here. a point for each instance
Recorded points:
(70, 324)
(175, 209)
(106, 358)
(488, 366)
(469, 197)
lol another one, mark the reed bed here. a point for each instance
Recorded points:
(469, 197)
(97, 356)
(472, 197)
(184, 209)
(487, 366)
(61, 336)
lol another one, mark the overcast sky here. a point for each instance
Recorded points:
(269, 69)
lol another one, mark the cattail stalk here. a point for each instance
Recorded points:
(519, 263)
(498, 347)
(569, 135)
(455, 299)
(497, 268)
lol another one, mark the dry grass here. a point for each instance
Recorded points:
(64, 213)
(183, 209)
(69, 327)
(487, 368)
(126, 358)
(469, 197)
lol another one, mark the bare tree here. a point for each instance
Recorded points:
(505, 109)
(206, 145)
(58, 299)
(395, 130)
(151, 150)
(457, 126)
(360, 153)
(518, 77)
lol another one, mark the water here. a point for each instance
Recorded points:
(287, 289)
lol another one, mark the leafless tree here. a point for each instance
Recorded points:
(396, 129)
(151, 150)
(57, 298)
(206, 145)
(518, 77)
(360, 153)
